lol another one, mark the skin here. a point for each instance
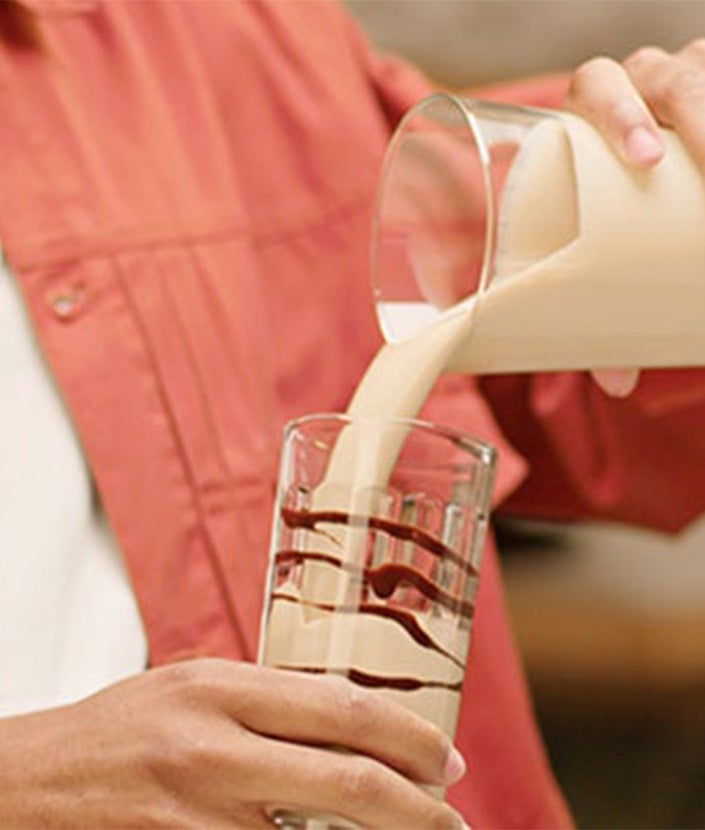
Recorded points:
(627, 102)
(213, 743)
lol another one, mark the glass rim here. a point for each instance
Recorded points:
(481, 450)
(464, 106)
(471, 111)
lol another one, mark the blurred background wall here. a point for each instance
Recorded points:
(610, 620)
(474, 41)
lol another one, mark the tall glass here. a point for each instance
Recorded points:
(374, 567)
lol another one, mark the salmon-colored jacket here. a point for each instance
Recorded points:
(186, 193)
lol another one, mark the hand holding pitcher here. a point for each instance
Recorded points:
(566, 246)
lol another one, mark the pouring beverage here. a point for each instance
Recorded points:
(506, 240)
(527, 225)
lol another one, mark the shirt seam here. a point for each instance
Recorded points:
(26, 254)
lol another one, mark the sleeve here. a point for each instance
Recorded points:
(640, 460)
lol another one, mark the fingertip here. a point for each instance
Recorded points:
(617, 383)
(643, 147)
(455, 767)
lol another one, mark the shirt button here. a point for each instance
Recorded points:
(67, 302)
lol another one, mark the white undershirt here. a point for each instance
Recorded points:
(69, 624)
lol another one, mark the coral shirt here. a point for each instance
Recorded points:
(190, 188)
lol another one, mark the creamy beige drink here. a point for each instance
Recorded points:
(628, 290)
(404, 626)
(374, 567)
(417, 658)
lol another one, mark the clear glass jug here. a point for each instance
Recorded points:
(529, 224)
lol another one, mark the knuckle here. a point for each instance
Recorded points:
(684, 87)
(595, 67)
(162, 761)
(360, 783)
(645, 57)
(438, 747)
(695, 47)
(193, 679)
(423, 740)
(357, 709)
(173, 758)
(440, 816)
(185, 672)
(588, 74)
(599, 65)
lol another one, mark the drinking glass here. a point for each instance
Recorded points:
(374, 567)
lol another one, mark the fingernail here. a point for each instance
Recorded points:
(455, 767)
(617, 383)
(642, 147)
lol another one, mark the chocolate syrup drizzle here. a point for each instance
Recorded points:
(404, 684)
(384, 580)
(308, 519)
(400, 615)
